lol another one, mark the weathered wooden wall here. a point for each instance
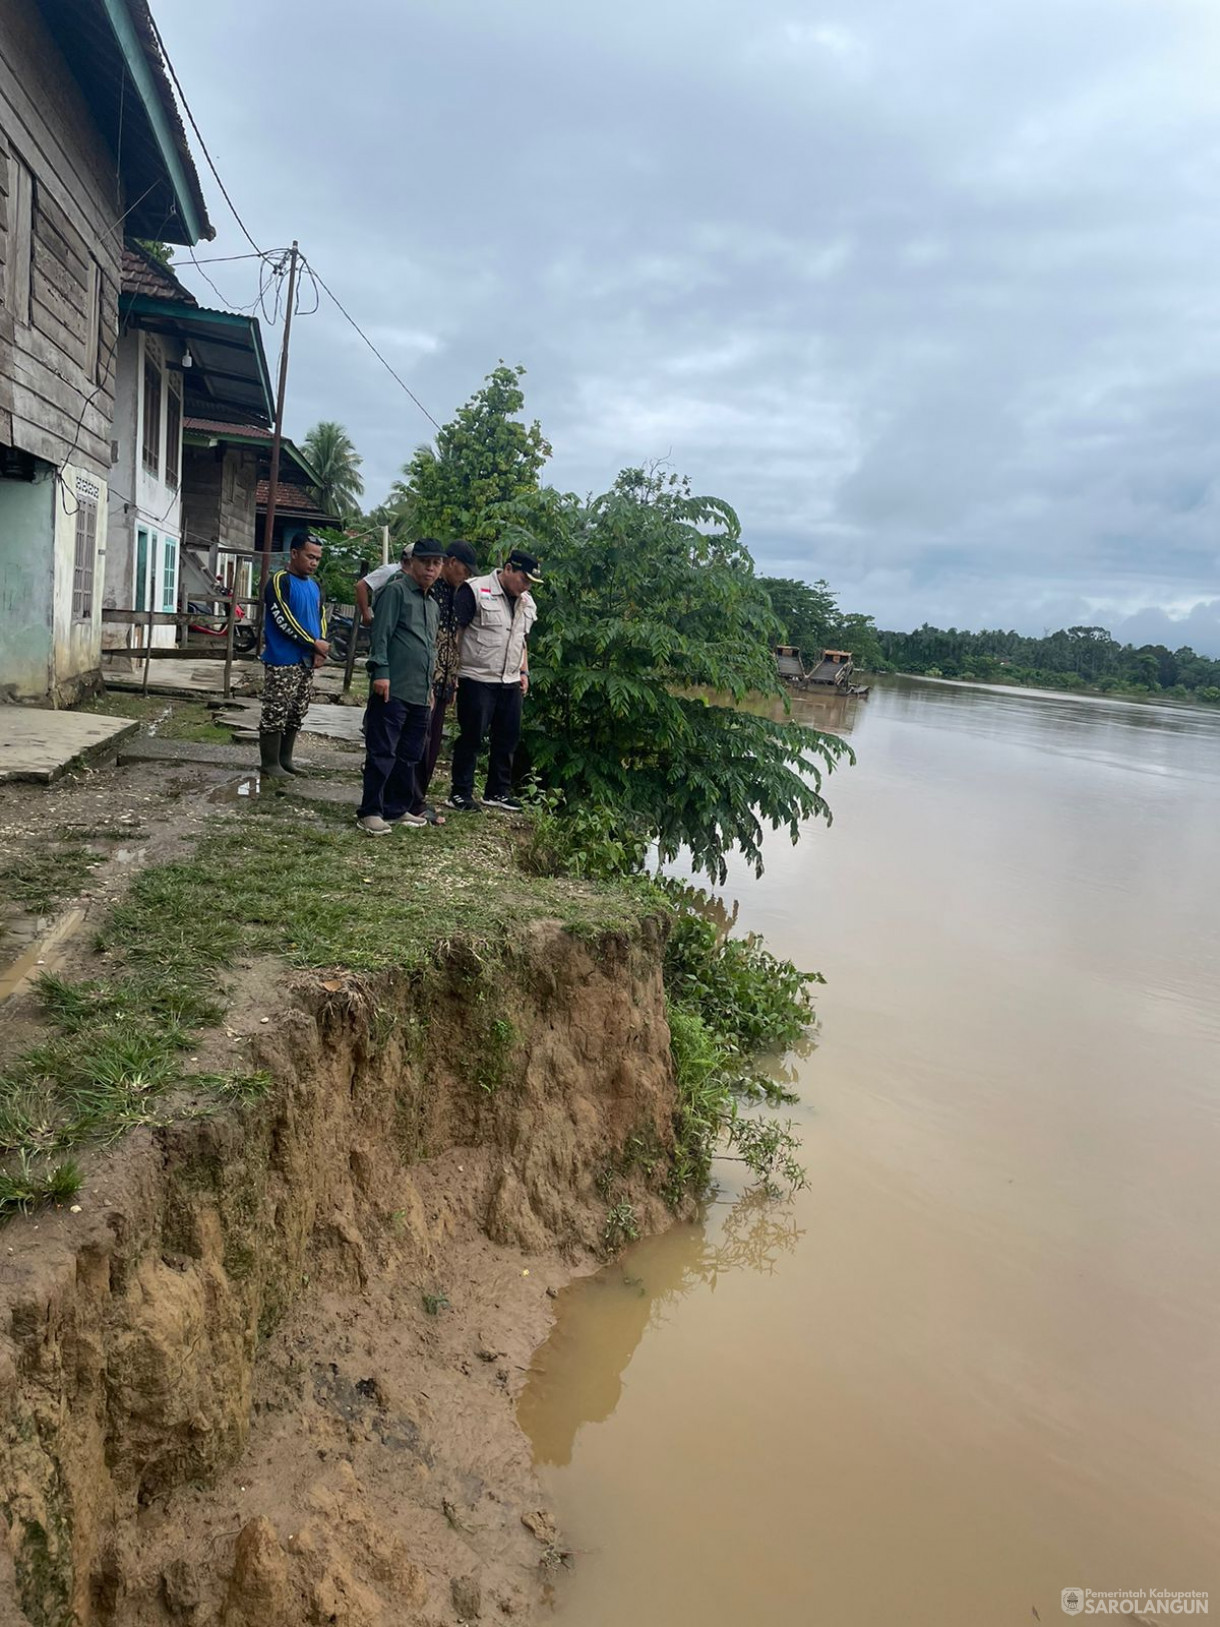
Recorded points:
(60, 207)
(218, 496)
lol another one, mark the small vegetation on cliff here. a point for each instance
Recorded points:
(728, 1000)
(29, 1184)
(751, 998)
(621, 1225)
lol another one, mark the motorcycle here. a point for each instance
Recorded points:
(339, 632)
(245, 637)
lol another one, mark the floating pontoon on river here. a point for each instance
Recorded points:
(833, 672)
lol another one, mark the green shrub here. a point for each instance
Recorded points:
(593, 841)
(705, 1101)
(743, 992)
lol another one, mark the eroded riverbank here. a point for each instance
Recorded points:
(261, 1368)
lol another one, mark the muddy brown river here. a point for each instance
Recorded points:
(977, 1362)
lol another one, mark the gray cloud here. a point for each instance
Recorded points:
(926, 292)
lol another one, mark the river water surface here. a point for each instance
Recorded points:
(978, 1360)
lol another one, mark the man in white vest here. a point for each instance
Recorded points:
(495, 614)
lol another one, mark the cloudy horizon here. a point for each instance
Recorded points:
(928, 298)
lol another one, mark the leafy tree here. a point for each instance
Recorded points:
(858, 633)
(162, 253)
(806, 611)
(400, 510)
(342, 557)
(652, 629)
(336, 463)
(483, 460)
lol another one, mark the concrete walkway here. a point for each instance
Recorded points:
(185, 677)
(40, 745)
(206, 677)
(148, 749)
(335, 722)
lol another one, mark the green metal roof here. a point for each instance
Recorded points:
(229, 369)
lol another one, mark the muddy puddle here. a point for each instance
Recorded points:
(977, 1362)
(32, 946)
(237, 791)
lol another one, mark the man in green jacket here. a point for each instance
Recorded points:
(402, 659)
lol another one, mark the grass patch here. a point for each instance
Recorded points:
(167, 719)
(235, 1086)
(303, 884)
(56, 863)
(115, 831)
(296, 882)
(27, 1186)
(41, 877)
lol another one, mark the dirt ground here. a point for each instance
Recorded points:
(72, 847)
(385, 1482)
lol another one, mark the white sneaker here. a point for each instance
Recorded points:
(407, 819)
(374, 825)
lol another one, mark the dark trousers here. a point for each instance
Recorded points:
(480, 708)
(394, 737)
(426, 766)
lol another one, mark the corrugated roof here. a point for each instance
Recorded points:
(228, 371)
(112, 50)
(222, 429)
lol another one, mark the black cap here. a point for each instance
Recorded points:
(518, 560)
(463, 553)
(428, 548)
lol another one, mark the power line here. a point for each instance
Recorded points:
(263, 255)
(373, 347)
(205, 276)
(221, 259)
(198, 134)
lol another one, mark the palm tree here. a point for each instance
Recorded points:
(336, 463)
(400, 508)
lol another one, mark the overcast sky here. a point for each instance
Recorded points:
(929, 291)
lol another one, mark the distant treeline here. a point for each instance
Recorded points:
(1073, 658)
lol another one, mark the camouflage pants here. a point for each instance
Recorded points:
(287, 692)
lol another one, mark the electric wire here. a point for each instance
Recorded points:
(186, 106)
(351, 319)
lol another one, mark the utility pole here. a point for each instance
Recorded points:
(264, 572)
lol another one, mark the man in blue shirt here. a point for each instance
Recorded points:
(294, 643)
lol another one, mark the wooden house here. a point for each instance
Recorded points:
(91, 149)
(227, 467)
(179, 366)
(296, 508)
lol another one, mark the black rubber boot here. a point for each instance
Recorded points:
(269, 746)
(287, 741)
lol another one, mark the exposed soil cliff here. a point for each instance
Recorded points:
(265, 1376)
